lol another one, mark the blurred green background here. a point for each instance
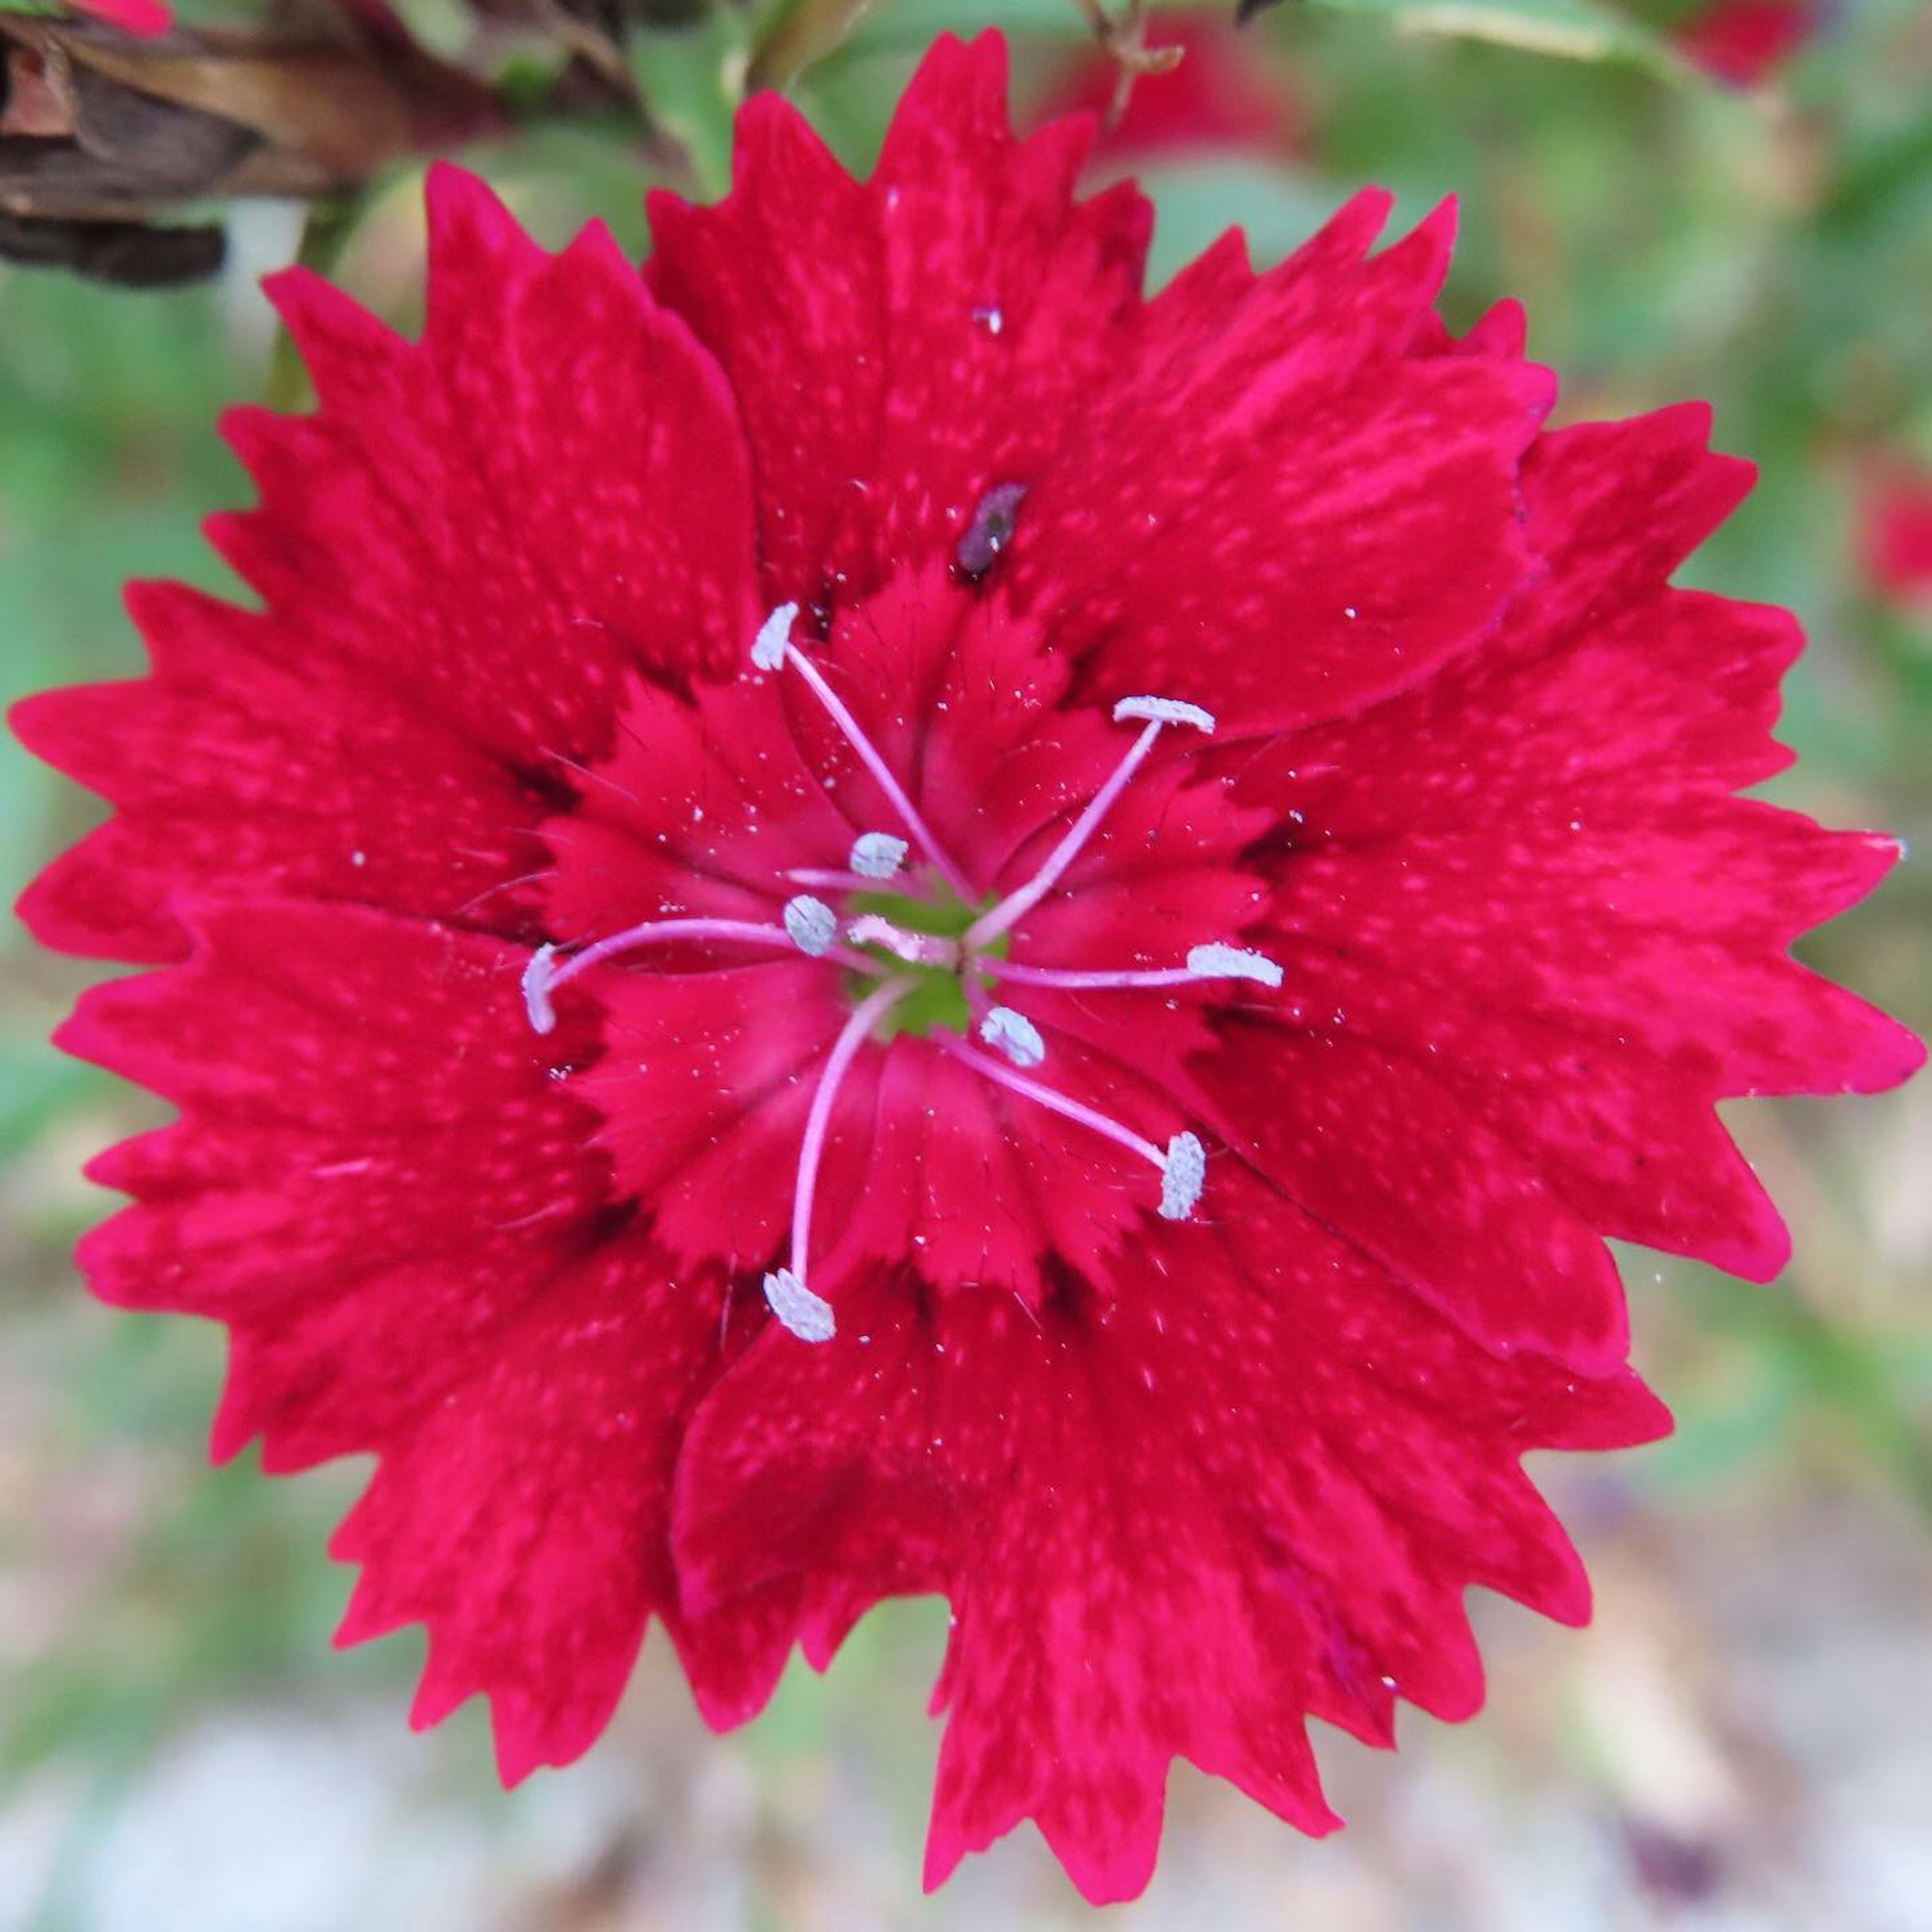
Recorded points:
(1740, 1741)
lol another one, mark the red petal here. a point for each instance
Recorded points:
(1528, 877)
(522, 1517)
(308, 1197)
(232, 769)
(1377, 1149)
(519, 1359)
(954, 310)
(479, 525)
(1280, 509)
(465, 566)
(1252, 1488)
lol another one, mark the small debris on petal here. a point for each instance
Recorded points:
(877, 855)
(811, 924)
(1218, 961)
(1163, 711)
(537, 977)
(769, 647)
(809, 1316)
(1182, 1178)
(1015, 1035)
(991, 529)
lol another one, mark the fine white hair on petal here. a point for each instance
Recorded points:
(809, 1316)
(768, 647)
(1182, 1177)
(537, 976)
(877, 855)
(1163, 711)
(1216, 960)
(1015, 1035)
(811, 924)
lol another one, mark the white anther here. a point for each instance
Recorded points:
(809, 1316)
(1015, 1035)
(877, 855)
(1182, 1177)
(768, 647)
(811, 925)
(537, 976)
(1163, 711)
(1217, 961)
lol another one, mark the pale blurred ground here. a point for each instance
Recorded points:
(1742, 1742)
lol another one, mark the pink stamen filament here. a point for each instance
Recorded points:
(1053, 975)
(657, 931)
(1055, 1102)
(882, 773)
(811, 1150)
(539, 985)
(1022, 900)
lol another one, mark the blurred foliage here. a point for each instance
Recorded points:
(1770, 249)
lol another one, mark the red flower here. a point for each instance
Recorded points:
(146, 18)
(1214, 101)
(1745, 41)
(1175, 1161)
(1896, 534)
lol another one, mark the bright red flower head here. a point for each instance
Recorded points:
(1745, 42)
(1895, 534)
(146, 18)
(868, 916)
(1216, 100)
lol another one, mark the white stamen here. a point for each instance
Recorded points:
(1163, 711)
(537, 976)
(1216, 960)
(1015, 1035)
(769, 647)
(1182, 1177)
(877, 855)
(809, 1316)
(811, 923)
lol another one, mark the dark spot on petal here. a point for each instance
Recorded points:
(991, 529)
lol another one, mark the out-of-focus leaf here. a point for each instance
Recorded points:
(1569, 29)
(1195, 202)
(799, 33)
(901, 24)
(691, 79)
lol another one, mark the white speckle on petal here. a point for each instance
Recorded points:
(1163, 711)
(811, 924)
(809, 1316)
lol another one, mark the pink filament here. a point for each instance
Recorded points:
(1055, 1102)
(1055, 976)
(1019, 902)
(654, 931)
(874, 763)
(811, 1150)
